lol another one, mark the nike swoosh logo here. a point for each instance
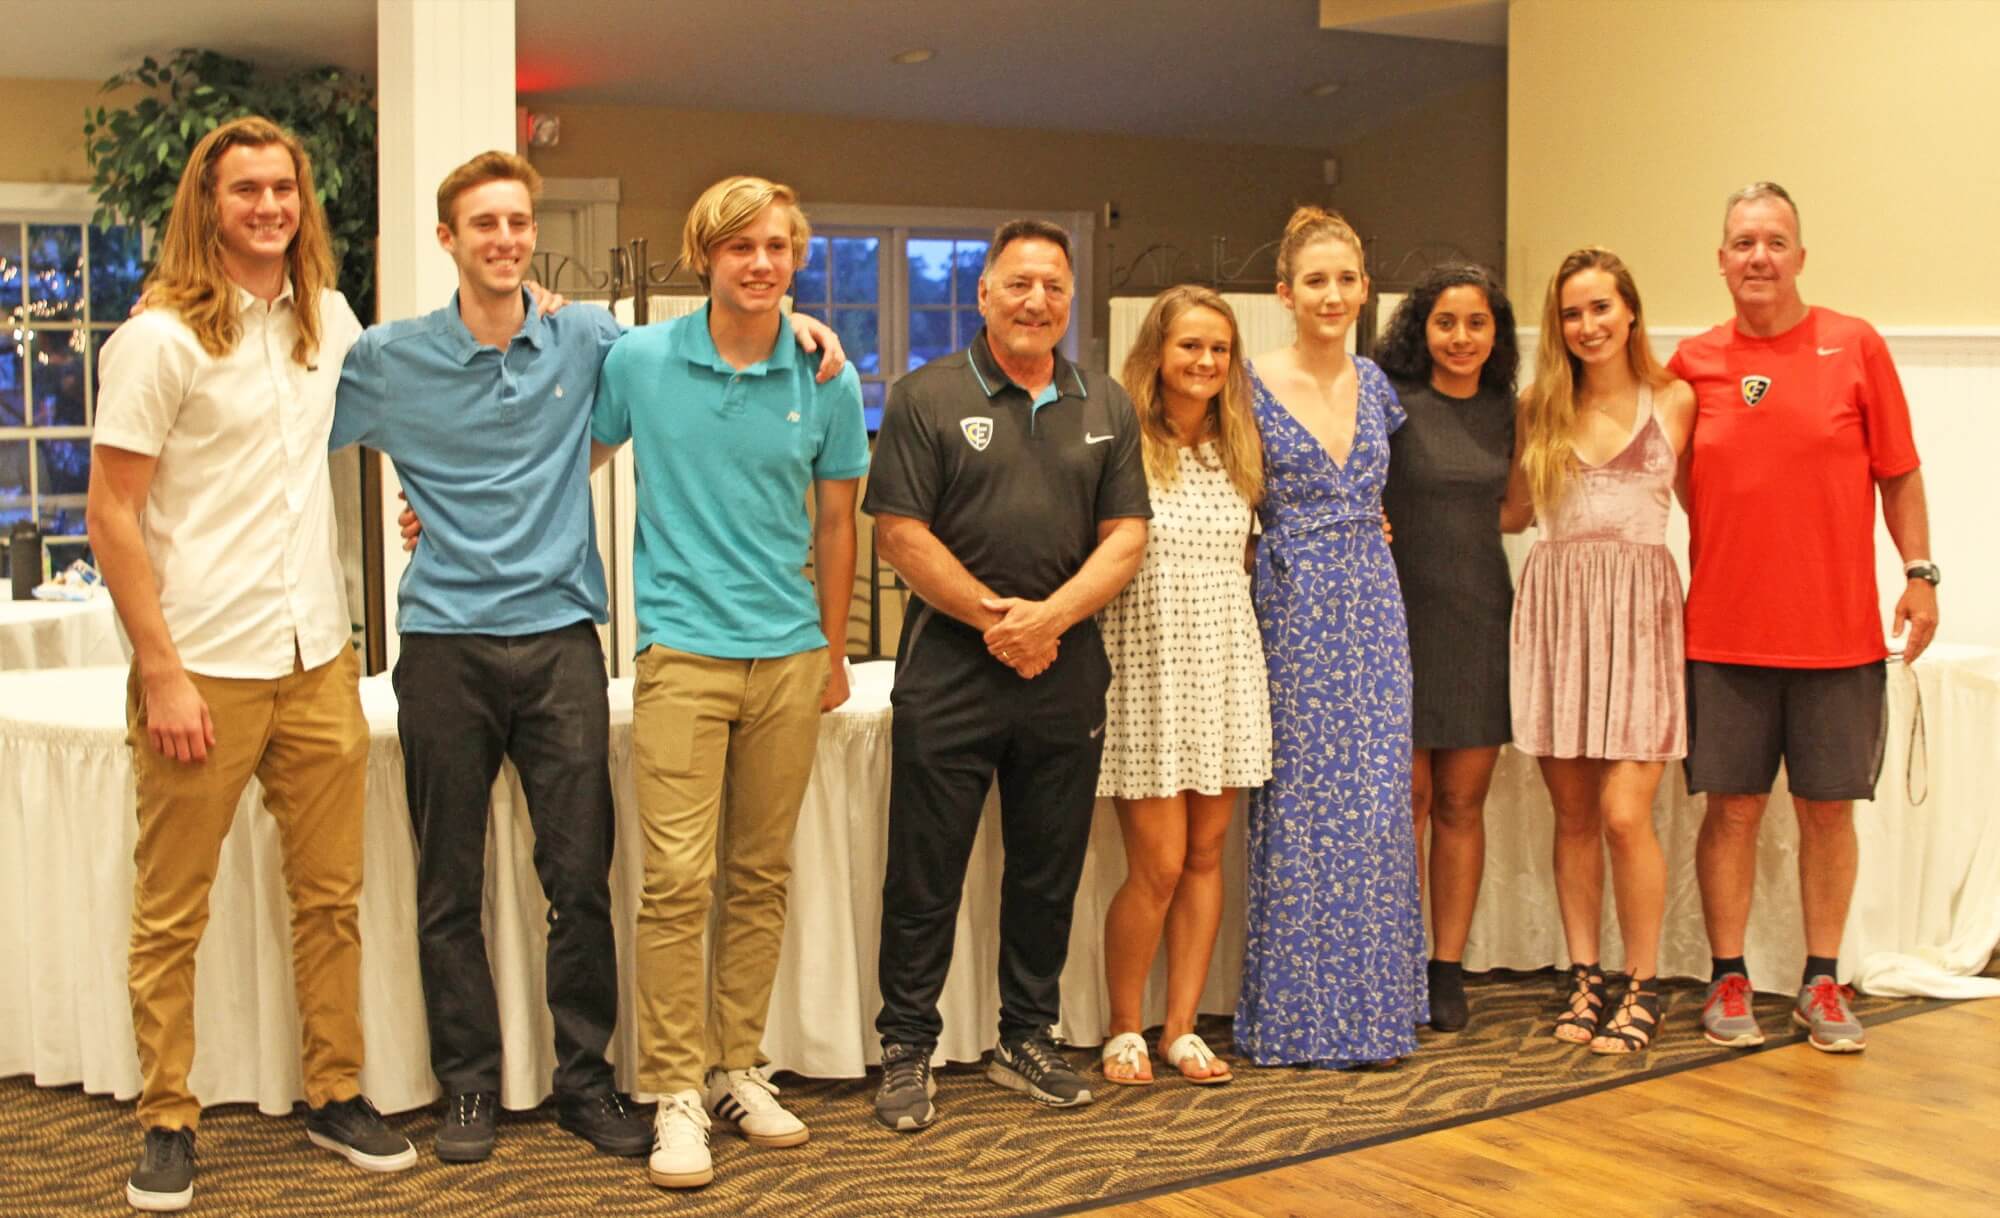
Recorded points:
(1097, 731)
(1831, 350)
(1090, 439)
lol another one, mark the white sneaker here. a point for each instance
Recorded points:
(680, 1143)
(749, 1101)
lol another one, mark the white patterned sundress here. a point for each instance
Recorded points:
(1188, 708)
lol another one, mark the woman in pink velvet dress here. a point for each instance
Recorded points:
(1596, 660)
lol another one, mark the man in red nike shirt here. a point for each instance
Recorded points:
(1800, 421)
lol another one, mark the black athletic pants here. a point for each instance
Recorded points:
(961, 717)
(464, 702)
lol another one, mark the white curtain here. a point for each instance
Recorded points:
(1264, 323)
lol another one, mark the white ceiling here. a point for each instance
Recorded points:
(1213, 70)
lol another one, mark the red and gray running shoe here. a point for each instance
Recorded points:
(1726, 1017)
(1823, 1012)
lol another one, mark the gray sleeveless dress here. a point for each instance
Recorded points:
(1448, 468)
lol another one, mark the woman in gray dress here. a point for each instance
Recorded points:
(1450, 351)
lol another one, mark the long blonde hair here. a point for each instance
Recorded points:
(189, 276)
(1229, 421)
(1548, 409)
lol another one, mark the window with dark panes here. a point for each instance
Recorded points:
(64, 288)
(841, 285)
(944, 295)
(899, 299)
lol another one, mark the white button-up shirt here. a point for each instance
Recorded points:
(239, 520)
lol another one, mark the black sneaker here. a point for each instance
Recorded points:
(164, 1180)
(903, 1101)
(608, 1121)
(471, 1122)
(1034, 1065)
(1449, 1012)
(352, 1129)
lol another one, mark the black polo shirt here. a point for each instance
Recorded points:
(1015, 491)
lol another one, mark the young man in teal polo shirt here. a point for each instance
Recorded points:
(736, 660)
(484, 406)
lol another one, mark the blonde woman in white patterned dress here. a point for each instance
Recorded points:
(1189, 721)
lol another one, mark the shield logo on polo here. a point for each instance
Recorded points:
(978, 431)
(1754, 389)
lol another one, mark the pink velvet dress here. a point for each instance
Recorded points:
(1596, 646)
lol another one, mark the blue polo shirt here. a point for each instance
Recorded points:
(724, 460)
(493, 449)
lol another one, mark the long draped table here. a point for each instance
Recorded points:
(1927, 906)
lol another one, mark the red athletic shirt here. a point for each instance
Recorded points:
(1791, 434)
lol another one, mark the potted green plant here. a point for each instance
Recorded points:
(136, 153)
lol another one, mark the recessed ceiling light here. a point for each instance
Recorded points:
(915, 55)
(1324, 89)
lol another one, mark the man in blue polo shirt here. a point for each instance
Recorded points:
(484, 406)
(737, 655)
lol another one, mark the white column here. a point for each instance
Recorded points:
(445, 92)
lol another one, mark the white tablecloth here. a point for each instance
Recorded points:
(59, 634)
(1927, 904)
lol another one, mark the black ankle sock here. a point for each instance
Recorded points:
(1446, 968)
(1719, 965)
(1820, 966)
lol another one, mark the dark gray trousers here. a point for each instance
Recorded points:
(465, 701)
(961, 719)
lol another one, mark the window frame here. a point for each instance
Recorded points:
(898, 225)
(57, 203)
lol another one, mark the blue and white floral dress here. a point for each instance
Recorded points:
(1333, 968)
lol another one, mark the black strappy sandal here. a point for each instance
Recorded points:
(1585, 995)
(1633, 1026)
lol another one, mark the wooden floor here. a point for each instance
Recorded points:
(1905, 1128)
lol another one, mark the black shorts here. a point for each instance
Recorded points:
(1828, 725)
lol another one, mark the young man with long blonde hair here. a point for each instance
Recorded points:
(211, 512)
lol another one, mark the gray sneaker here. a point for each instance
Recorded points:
(1829, 1022)
(1033, 1065)
(164, 1179)
(903, 1101)
(1726, 1017)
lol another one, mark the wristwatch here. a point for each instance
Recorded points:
(1925, 570)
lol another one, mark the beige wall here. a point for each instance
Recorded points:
(1166, 190)
(1437, 175)
(1630, 122)
(44, 140)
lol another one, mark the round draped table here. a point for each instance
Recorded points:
(59, 634)
(1927, 905)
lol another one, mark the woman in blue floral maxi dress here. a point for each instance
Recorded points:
(1333, 969)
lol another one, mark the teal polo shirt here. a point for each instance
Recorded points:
(493, 450)
(724, 460)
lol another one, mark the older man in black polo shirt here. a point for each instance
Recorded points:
(1009, 494)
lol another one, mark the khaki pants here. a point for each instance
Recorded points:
(703, 728)
(305, 739)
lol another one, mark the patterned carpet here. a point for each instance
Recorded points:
(991, 1152)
